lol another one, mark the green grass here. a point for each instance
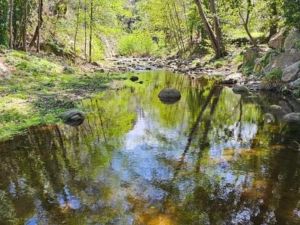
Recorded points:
(274, 75)
(40, 89)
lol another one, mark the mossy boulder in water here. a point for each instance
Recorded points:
(169, 95)
(292, 118)
(239, 89)
(73, 117)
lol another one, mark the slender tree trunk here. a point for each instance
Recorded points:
(85, 29)
(217, 26)
(40, 21)
(219, 52)
(11, 31)
(91, 30)
(76, 29)
(24, 36)
(246, 22)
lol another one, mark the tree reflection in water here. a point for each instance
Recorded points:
(208, 159)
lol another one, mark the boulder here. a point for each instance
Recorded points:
(291, 72)
(69, 70)
(292, 40)
(292, 118)
(73, 117)
(269, 118)
(282, 61)
(277, 40)
(134, 78)
(239, 89)
(169, 95)
(275, 107)
(250, 55)
(4, 71)
(295, 84)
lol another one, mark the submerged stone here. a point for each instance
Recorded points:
(134, 78)
(240, 89)
(73, 117)
(169, 95)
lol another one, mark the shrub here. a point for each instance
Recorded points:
(137, 44)
(274, 75)
(292, 12)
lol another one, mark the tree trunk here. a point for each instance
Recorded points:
(24, 35)
(91, 31)
(40, 19)
(76, 29)
(85, 29)
(217, 26)
(219, 52)
(11, 31)
(246, 22)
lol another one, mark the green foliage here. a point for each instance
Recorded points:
(274, 75)
(3, 22)
(292, 12)
(137, 44)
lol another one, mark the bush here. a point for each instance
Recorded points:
(137, 44)
(292, 12)
(274, 75)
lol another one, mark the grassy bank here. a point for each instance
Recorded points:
(40, 88)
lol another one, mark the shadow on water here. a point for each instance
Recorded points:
(211, 158)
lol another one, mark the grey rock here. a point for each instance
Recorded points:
(250, 55)
(269, 118)
(283, 60)
(169, 95)
(275, 107)
(277, 40)
(239, 89)
(292, 40)
(73, 117)
(4, 71)
(291, 72)
(295, 84)
(292, 118)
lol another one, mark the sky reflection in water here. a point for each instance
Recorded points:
(208, 159)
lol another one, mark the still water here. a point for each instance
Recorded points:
(212, 158)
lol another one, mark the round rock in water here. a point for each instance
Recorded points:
(238, 89)
(169, 95)
(73, 117)
(134, 78)
(292, 118)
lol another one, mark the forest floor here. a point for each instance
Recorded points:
(37, 89)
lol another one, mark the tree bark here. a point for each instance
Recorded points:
(219, 52)
(217, 26)
(24, 35)
(40, 21)
(246, 22)
(91, 30)
(77, 25)
(85, 29)
(11, 31)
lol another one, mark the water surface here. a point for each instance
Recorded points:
(212, 158)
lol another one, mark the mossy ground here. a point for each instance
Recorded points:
(40, 88)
